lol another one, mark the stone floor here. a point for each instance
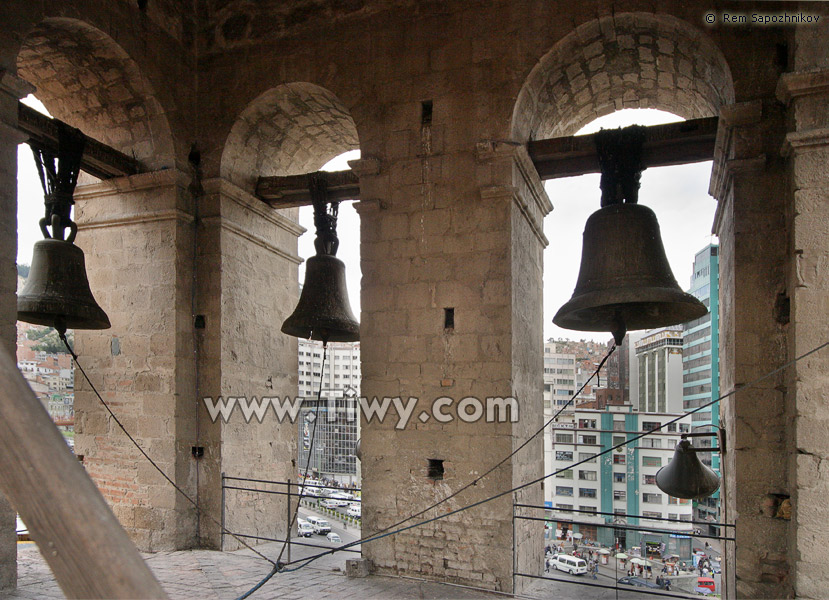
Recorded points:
(212, 575)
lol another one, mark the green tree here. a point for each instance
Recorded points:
(23, 271)
(37, 333)
(51, 342)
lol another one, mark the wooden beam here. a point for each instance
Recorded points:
(87, 549)
(291, 191)
(670, 144)
(99, 160)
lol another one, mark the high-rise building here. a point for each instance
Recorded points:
(700, 366)
(659, 371)
(329, 427)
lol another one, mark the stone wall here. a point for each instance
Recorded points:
(137, 236)
(258, 278)
(807, 146)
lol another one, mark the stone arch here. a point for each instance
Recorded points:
(86, 79)
(630, 60)
(291, 129)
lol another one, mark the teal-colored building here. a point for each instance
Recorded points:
(608, 498)
(700, 367)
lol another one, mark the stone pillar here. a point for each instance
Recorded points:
(806, 93)
(451, 309)
(137, 233)
(248, 287)
(11, 89)
(196, 281)
(749, 181)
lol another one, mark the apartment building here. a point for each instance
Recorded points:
(598, 497)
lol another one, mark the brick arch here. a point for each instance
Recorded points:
(85, 78)
(288, 130)
(631, 60)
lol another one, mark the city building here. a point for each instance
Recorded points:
(658, 377)
(700, 368)
(618, 488)
(332, 422)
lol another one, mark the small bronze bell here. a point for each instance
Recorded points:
(323, 312)
(625, 281)
(685, 476)
(57, 292)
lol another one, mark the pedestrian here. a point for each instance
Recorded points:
(595, 570)
(659, 580)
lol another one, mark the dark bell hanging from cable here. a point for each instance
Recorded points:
(57, 291)
(685, 476)
(625, 281)
(323, 312)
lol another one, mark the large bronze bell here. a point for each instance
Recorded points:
(625, 281)
(57, 292)
(323, 311)
(685, 476)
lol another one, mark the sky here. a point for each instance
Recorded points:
(678, 195)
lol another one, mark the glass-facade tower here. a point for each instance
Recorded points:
(700, 368)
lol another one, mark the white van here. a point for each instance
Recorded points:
(320, 525)
(355, 510)
(570, 564)
(304, 528)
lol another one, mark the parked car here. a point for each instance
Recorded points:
(355, 510)
(334, 538)
(638, 582)
(570, 564)
(320, 525)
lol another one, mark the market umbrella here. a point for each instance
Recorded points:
(604, 551)
(621, 555)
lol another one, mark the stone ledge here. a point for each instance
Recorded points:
(802, 83)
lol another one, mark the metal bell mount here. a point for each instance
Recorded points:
(625, 281)
(57, 291)
(323, 312)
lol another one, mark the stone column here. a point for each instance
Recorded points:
(11, 89)
(451, 263)
(248, 287)
(749, 181)
(137, 233)
(806, 92)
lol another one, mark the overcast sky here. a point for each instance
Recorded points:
(678, 196)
